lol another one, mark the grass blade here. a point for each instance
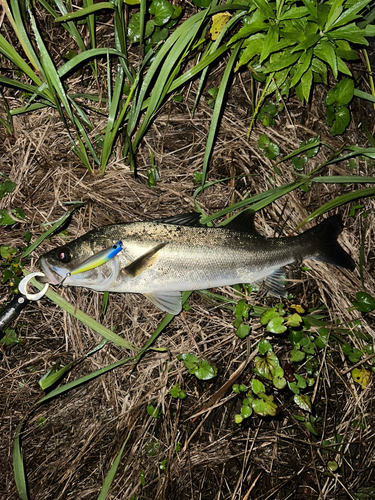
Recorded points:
(18, 465)
(52, 229)
(86, 11)
(337, 202)
(112, 471)
(218, 110)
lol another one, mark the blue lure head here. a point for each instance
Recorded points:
(98, 259)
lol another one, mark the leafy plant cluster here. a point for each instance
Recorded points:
(308, 333)
(290, 45)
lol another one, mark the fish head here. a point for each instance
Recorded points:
(59, 263)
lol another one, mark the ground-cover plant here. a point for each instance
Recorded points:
(309, 334)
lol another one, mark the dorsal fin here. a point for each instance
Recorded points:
(191, 219)
(244, 222)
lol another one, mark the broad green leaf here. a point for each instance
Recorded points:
(243, 331)
(285, 60)
(266, 366)
(342, 67)
(190, 360)
(334, 13)
(162, 10)
(268, 315)
(364, 303)
(269, 42)
(294, 13)
(350, 14)
(301, 382)
(326, 52)
(264, 346)
(311, 7)
(276, 325)
(265, 406)
(296, 355)
(294, 320)
(342, 120)
(302, 66)
(351, 33)
(205, 371)
(246, 411)
(249, 29)
(257, 386)
(134, 28)
(254, 47)
(303, 401)
(341, 94)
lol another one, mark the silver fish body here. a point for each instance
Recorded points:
(162, 258)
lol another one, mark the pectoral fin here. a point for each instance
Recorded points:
(169, 302)
(143, 262)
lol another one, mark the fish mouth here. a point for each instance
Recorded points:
(54, 275)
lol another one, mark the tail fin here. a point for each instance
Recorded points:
(326, 244)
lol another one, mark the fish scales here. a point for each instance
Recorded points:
(162, 258)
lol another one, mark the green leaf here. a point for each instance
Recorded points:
(264, 346)
(190, 360)
(306, 83)
(364, 303)
(205, 371)
(266, 366)
(265, 8)
(246, 411)
(243, 331)
(284, 60)
(162, 10)
(303, 401)
(326, 52)
(270, 313)
(153, 412)
(341, 94)
(311, 428)
(251, 50)
(342, 120)
(296, 355)
(276, 325)
(6, 187)
(351, 33)
(350, 14)
(265, 406)
(202, 4)
(5, 218)
(301, 382)
(257, 386)
(134, 28)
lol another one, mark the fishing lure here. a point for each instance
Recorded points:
(98, 259)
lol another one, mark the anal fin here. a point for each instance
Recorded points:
(169, 302)
(274, 283)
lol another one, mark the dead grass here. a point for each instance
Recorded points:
(69, 456)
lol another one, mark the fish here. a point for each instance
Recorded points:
(164, 257)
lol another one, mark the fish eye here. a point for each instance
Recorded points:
(64, 255)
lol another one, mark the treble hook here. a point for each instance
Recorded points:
(22, 287)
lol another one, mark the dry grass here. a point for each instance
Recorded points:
(69, 457)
